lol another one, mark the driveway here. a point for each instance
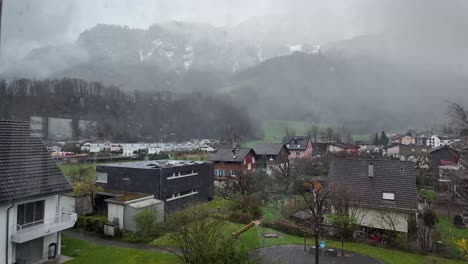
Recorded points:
(295, 255)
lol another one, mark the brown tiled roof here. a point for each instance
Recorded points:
(26, 168)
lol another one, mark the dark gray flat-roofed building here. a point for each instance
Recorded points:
(176, 182)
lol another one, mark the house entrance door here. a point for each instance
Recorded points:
(29, 252)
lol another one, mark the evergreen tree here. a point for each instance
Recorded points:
(376, 139)
(384, 139)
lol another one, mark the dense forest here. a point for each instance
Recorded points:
(122, 115)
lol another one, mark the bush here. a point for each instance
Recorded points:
(240, 218)
(145, 221)
(458, 221)
(91, 223)
(288, 228)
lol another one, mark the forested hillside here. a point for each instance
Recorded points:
(124, 116)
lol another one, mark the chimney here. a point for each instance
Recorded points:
(370, 170)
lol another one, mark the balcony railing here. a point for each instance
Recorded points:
(33, 230)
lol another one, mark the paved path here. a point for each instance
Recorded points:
(290, 254)
(115, 243)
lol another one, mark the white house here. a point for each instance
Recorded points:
(95, 148)
(129, 149)
(31, 213)
(436, 141)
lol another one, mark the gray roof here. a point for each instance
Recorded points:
(26, 168)
(227, 155)
(154, 164)
(268, 148)
(296, 142)
(393, 176)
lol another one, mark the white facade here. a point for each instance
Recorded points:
(31, 242)
(436, 141)
(129, 149)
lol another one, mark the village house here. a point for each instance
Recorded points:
(231, 162)
(298, 146)
(395, 139)
(407, 152)
(408, 140)
(270, 155)
(338, 147)
(436, 141)
(443, 155)
(380, 193)
(175, 182)
(31, 187)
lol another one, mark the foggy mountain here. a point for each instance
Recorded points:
(169, 56)
(358, 92)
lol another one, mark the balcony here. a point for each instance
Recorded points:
(30, 231)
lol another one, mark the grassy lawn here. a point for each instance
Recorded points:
(449, 233)
(91, 253)
(251, 241)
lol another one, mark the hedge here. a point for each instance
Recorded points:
(92, 223)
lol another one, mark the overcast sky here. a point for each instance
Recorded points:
(33, 23)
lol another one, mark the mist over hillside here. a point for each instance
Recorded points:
(363, 65)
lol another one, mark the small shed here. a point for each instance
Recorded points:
(122, 209)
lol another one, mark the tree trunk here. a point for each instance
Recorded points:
(317, 247)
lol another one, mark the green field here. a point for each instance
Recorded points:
(273, 131)
(449, 233)
(85, 252)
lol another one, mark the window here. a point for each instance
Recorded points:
(183, 194)
(30, 214)
(249, 166)
(223, 173)
(388, 196)
(232, 173)
(253, 159)
(185, 173)
(101, 177)
(216, 173)
(298, 153)
(245, 161)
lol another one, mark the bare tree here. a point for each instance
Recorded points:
(285, 174)
(424, 226)
(243, 185)
(315, 198)
(459, 116)
(388, 219)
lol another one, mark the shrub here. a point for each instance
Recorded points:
(288, 228)
(462, 246)
(240, 218)
(458, 221)
(92, 223)
(145, 222)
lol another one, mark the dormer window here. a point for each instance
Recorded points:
(388, 196)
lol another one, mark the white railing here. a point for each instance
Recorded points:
(33, 230)
(47, 221)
